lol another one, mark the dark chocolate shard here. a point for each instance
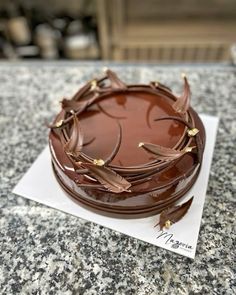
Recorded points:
(163, 153)
(160, 86)
(75, 143)
(111, 180)
(59, 123)
(173, 214)
(181, 105)
(69, 105)
(115, 81)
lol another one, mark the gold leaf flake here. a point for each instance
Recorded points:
(59, 123)
(98, 162)
(188, 149)
(93, 85)
(168, 224)
(192, 132)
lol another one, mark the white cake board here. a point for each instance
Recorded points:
(39, 184)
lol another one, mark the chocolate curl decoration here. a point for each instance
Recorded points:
(69, 105)
(164, 153)
(59, 124)
(108, 178)
(173, 214)
(75, 143)
(117, 146)
(181, 105)
(160, 86)
(192, 132)
(115, 81)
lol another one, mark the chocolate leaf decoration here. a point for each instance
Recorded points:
(82, 91)
(181, 105)
(75, 143)
(162, 153)
(115, 81)
(69, 105)
(160, 86)
(108, 178)
(60, 123)
(173, 214)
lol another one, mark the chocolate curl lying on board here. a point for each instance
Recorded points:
(181, 105)
(107, 177)
(173, 214)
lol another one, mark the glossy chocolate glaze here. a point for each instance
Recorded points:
(135, 112)
(135, 109)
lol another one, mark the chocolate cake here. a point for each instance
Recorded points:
(127, 150)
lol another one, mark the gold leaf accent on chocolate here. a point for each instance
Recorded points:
(173, 214)
(168, 224)
(192, 132)
(188, 149)
(98, 162)
(75, 143)
(163, 153)
(59, 123)
(181, 105)
(93, 84)
(111, 180)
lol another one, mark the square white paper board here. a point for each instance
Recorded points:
(39, 184)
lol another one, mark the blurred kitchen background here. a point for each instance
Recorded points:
(191, 31)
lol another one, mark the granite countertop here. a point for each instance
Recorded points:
(44, 251)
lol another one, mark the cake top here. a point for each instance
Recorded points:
(116, 136)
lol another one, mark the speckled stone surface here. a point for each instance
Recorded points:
(44, 251)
